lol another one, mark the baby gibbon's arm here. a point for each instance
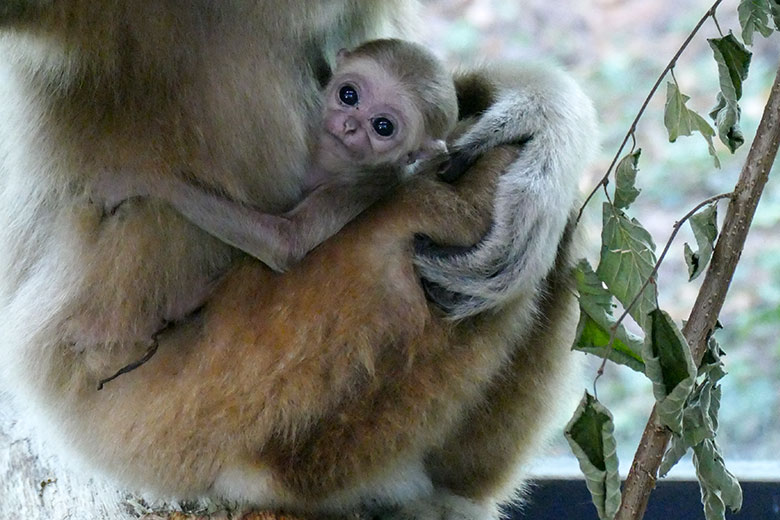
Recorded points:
(278, 241)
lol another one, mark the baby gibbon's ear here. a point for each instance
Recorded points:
(430, 148)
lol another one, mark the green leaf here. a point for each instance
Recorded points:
(713, 404)
(625, 177)
(669, 365)
(681, 120)
(733, 64)
(596, 321)
(733, 61)
(677, 117)
(692, 260)
(726, 115)
(590, 434)
(774, 9)
(677, 450)
(700, 423)
(627, 261)
(719, 488)
(754, 16)
(593, 338)
(705, 230)
(712, 364)
(700, 416)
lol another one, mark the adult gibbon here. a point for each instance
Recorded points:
(337, 385)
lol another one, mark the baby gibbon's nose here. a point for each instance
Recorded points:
(350, 125)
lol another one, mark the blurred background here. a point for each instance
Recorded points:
(616, 49)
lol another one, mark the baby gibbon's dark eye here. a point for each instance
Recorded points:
(348, 95)
(383, 126)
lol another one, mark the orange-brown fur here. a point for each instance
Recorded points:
(330, 372)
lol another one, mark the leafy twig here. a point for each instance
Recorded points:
(704, 315)
(605, 180)
(676, 229)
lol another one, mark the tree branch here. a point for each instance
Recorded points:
(644, 470)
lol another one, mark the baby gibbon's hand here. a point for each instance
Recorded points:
(111, 189)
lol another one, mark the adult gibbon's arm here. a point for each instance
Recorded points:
(545, 111)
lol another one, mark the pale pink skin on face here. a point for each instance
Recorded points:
(349, 138)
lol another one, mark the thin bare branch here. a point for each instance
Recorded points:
(630, 134)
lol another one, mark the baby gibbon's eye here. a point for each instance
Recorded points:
(383, 126)
(348, 95)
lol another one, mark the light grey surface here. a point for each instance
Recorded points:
(36, 485)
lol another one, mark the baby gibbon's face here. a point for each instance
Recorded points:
(369, 117)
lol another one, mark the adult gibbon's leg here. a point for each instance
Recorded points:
(481, 459)
(291, 389)
(426, 371)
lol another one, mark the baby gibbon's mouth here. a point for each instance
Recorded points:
(341, 144)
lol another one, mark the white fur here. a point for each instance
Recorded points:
(441, 506)
(530, 210)
(404, 483)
